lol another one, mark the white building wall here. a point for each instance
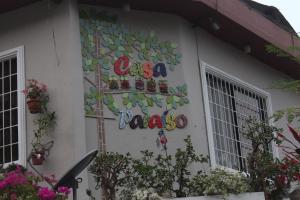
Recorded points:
(210, 50)
(50, 35)
(246, 68)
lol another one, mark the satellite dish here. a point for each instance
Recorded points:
(69, 179)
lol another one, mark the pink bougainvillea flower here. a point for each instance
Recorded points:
(64, 190)
(15, 178)
(46, 194)
(3, 184)
(50, 179)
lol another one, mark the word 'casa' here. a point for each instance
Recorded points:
(147, 70)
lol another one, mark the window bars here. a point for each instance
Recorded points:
(231, 104)
(9, 141)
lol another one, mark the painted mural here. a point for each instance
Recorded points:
(129, 73)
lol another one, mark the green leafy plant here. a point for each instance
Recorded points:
(260, 160)
(267, 174)
(219, 182)
(111, 172)
(44, 122)
(182, 174)
(292, 85)
(164, 174)
(36, 90)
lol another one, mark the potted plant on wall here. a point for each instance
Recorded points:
(37, 96)
(40, 148)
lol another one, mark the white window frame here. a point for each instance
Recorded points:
(19, 53)
(204, 67)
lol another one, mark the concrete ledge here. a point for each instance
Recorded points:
(243, 196)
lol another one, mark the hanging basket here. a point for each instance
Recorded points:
(139, 84)
(125, 85)
(151, 85)
(34, 106)
(163, 86)
(37, 158)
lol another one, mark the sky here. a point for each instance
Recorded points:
(289, 8)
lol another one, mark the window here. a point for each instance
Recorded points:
(12, 129)
(229, 102)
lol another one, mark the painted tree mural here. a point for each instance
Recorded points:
(133, 65)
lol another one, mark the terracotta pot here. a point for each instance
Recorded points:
(139, 85)
(125, 84)
(34, 106)
(37, 158)
(151, 86)
(163, 86)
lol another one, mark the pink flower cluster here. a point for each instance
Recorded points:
(13, 179)
(48, 194)
(18, 184)
(35, 89)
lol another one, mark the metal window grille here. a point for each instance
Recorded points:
(230, 105)
(9, 140)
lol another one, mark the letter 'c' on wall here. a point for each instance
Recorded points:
(121, 66)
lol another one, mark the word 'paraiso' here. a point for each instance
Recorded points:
(168, 121)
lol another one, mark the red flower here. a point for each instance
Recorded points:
(281, 180)
(296, 176)
(295, 133)
(284, 166)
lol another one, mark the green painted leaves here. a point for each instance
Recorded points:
(103, 40)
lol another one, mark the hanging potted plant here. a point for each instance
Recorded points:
(163, 86)
(37, 96)
(113, 83)
(125, 85)
(40, 148)
(139, 84)
(151, 85)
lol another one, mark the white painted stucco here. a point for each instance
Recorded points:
(210, 50)
(50, 35)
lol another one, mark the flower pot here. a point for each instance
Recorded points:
(34, 106)
(37, 158)
(151, 85)
(113, 85)
(163, 86)
(125, 84)
(139, 85)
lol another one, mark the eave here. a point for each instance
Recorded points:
(240, 26)
(9, 5)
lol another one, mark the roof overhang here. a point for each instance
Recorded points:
(240, 26)
(9, 5)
